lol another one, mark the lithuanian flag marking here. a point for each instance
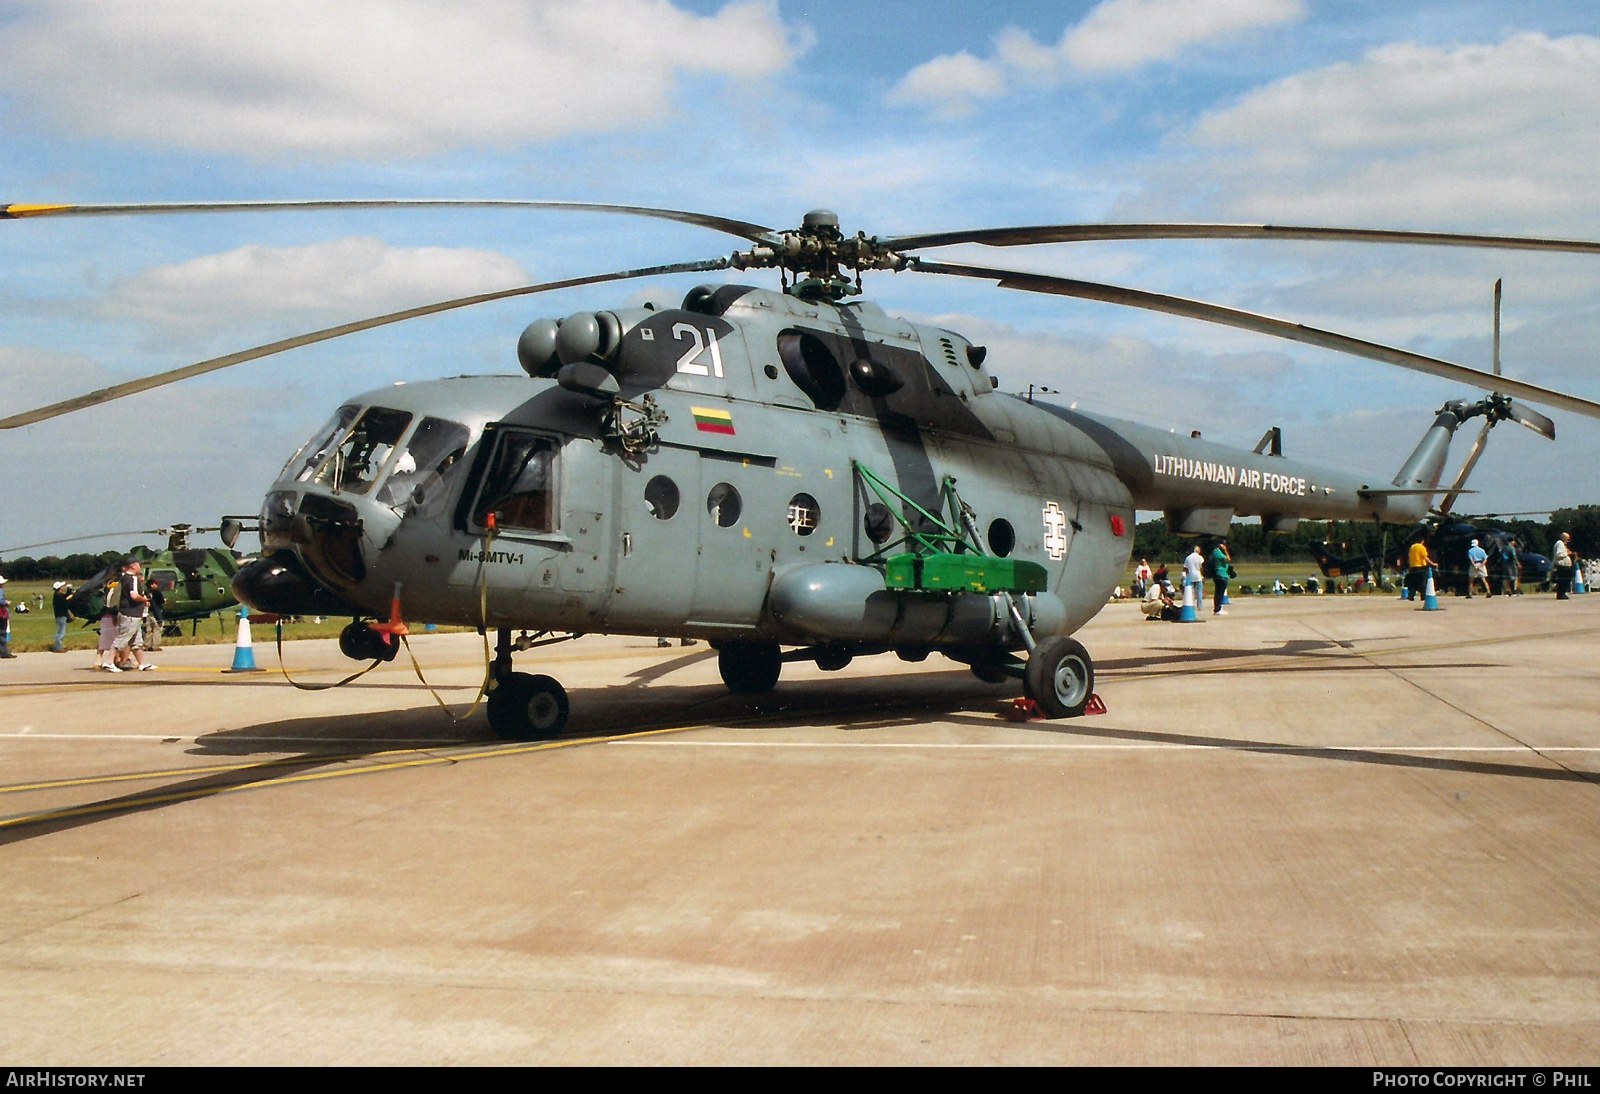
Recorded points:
(707, 420)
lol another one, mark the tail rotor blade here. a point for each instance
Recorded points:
(1531, 418)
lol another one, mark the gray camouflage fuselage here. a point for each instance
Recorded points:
(751, 403)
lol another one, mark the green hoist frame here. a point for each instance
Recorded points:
(943, 556)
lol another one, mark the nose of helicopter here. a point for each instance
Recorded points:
(316, 547)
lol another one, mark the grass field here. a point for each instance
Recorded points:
(36, 630)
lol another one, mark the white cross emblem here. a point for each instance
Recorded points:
(1055, 530)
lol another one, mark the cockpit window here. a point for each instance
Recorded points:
(421, 471)
(520, 486)
(358, 459)
(305, 461)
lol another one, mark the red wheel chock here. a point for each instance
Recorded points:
(1026, 710)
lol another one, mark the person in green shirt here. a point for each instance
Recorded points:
(1221, 571)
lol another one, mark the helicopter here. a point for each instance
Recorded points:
(194, 582)
(791, 474)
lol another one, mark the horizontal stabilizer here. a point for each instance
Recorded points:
(1393, 492)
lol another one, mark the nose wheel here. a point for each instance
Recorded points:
(1059, 677)
(525, 707)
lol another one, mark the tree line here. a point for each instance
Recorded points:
(1253, 543)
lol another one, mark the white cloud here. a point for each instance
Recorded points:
(1116, 36)
(343, 279)
(1503, 134)
(949, 85)
(394, 78)
(1120, 35)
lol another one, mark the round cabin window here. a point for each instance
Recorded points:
(1002, 537)
(661, 495)
(724, 505)
(878, 523)
(804, 514)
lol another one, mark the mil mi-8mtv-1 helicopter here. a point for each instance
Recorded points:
(770, 469)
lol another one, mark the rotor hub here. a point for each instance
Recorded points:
(820, 258)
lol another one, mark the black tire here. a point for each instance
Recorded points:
(989, 673)
(749, 668)
(1060, 677)
(360, 642)
(523, 707)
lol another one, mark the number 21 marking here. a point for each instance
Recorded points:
(688, 363)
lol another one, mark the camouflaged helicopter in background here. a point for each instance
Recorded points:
(793, 475)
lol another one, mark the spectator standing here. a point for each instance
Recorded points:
(104, 655)
(1566, 564)
(131, 605)
(1193, 573)
(1221, 571)
(1419, 563)
(157, 617)
(5, 623)
(1511, 567)
(62, 592)
(1141, 578)
(1478, 569)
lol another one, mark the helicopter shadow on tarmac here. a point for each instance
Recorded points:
(423, 733)
(1374, 756)
(1190, 655)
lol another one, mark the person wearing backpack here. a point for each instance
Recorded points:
(1221, 566)
(131, 603)
(105, 655)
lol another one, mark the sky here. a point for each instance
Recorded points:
(902, 117)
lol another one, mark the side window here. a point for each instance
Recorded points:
(519, 488)
(813, 368)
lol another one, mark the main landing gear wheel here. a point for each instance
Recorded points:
(1059, 677)
(749, 667)
(360, 642)
(524, 707)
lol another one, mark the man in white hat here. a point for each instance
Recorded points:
(5, 622)
(1478, 564)
(58, 602)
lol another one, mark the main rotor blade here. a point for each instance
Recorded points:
(1261, 324)
(132, 387)
(1081, 233)
(743, 229)
(78, 539)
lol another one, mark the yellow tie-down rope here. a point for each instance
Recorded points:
(395, 628)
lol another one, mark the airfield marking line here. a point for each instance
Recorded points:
(174, 737)
(1134, 746)
(201, 769)
(318, 776)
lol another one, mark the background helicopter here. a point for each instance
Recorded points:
(849, 482)
(195, 582)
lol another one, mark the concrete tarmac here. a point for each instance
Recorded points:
(1319, 830)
